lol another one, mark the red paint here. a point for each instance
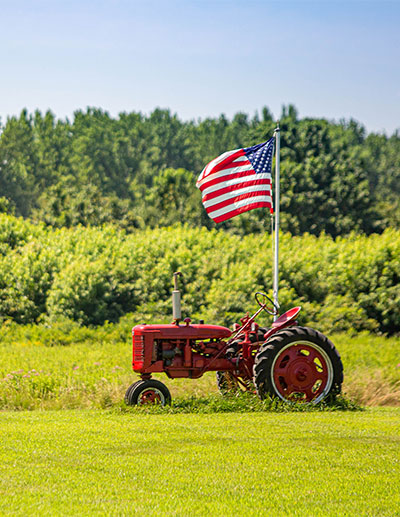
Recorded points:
(190, 350)
(285, 320)
(149, 396)
(184, 331)
(300, 369)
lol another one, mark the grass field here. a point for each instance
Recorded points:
(64, 368)
(113, 463)
(225, 457)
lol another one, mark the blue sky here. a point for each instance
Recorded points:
(333, 59)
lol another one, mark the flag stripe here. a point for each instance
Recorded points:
(220, 161)
(237, 204)
(237, 181)
(236, 201)
(242, 158)
(228, 215)
(220, 175)
(231, 190)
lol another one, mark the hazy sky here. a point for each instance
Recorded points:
(333, 59)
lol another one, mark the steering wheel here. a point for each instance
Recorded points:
(271, 310)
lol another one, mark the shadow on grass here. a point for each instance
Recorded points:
(242, 403)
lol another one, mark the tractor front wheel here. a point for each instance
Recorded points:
(298, 364)
(147, 392)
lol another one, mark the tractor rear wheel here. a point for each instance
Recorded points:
(298, 364)
(147, 392)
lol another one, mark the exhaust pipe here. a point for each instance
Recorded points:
(176, 300)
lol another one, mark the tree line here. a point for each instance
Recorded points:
(139, 171)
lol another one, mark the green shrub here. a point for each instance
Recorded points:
(93, 275)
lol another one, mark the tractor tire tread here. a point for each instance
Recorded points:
(129, 390)
(277, 341)
(133, 392)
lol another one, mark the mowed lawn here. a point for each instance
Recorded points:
(104, 462)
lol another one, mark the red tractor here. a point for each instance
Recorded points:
(287, 361)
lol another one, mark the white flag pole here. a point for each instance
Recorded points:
(277, 135)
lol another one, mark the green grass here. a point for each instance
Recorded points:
(109, 463)
(204, 454)
(237, 403)
(66, 367)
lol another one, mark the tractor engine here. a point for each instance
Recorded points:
(179, 350)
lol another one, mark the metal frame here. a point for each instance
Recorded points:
(277, 135)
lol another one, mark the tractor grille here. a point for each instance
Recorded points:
(138, 349)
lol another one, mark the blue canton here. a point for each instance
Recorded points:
(260, 156)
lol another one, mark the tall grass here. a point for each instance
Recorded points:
(67, 366)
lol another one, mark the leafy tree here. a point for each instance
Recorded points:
(18, 163)
(173, 199)
(129, 170)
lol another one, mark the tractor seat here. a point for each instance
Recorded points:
(286, 318)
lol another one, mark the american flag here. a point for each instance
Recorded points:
(237, 181)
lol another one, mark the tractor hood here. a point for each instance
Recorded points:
(183, 331)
